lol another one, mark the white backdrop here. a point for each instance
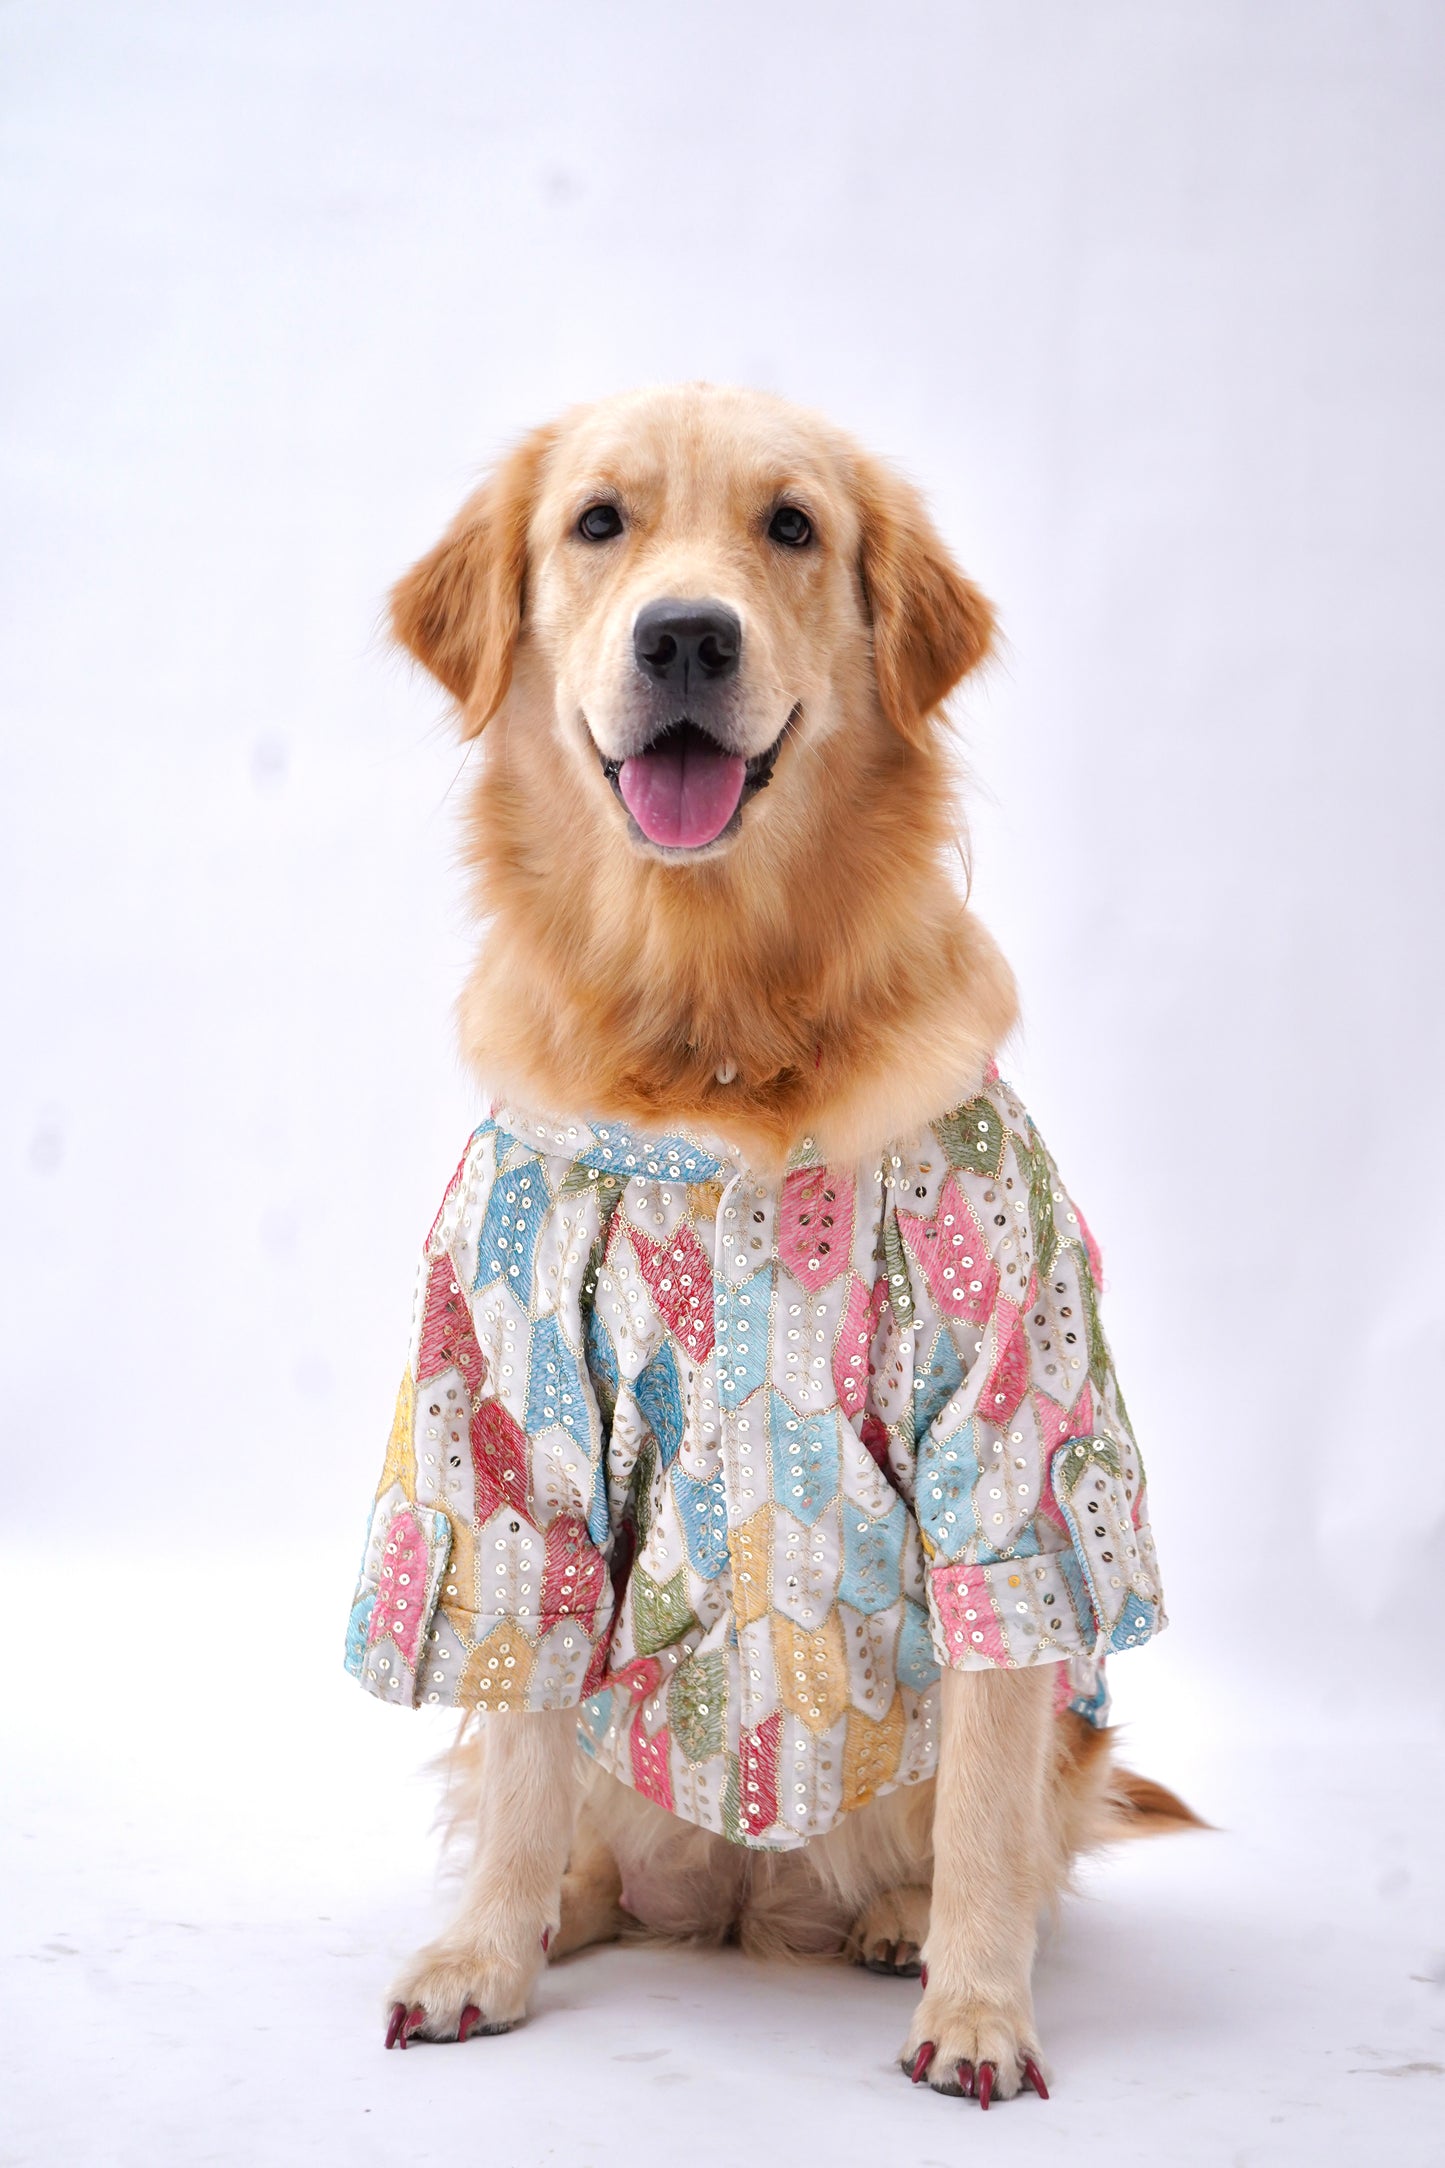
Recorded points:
(1148, 297)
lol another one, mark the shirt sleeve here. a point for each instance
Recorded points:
(485, 1583)
(1029, 1487)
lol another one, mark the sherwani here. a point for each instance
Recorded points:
(736, 1463)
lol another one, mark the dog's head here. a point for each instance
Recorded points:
(691, 580)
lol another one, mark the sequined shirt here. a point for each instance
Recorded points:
(735, 1464)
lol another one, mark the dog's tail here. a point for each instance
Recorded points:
(1107, 1803)
(1142, 1808)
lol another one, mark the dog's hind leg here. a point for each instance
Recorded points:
(591, 1894)
(996, 1861)
(516, 1789)
(787, 1913)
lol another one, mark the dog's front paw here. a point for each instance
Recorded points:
(452, 1990)
(980, 2050)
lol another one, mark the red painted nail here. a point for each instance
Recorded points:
(415, 2017)
(986, 2075)
(546, 1938)
(923, 1975)
(394, 2024)
(964, 2072)
(922, 2062)
(468, 2022)
(1034, 2076)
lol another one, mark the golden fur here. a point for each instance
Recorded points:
(825, 956)
(814, 974)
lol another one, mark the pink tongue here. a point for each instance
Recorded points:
(684, 791)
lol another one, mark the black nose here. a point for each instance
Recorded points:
(683, 644)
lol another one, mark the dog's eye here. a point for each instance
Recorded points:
(791, 527)
(599, 523)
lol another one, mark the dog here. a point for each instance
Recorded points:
(837, 1673)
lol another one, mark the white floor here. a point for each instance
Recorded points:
(205, 1899)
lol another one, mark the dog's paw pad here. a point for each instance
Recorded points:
(973, 2051)
(405, 2025)
(889, 1932)
(900, 1959)
(458, 1993)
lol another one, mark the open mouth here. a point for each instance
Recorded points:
(685, 790)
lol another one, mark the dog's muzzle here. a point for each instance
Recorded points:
(684, 790)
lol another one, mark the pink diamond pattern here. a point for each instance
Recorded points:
(953, 1256)
(401, 1599)
(499, 1458)
(966, 1614)
(447, 1338)
(855, 1338)
(680, 1277)
(651, 1765)
(758, 1774)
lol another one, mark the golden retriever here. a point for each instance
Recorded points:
(707, 639)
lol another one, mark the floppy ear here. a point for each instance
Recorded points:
(931, 626)
(460, 609)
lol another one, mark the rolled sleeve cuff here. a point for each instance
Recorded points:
(408, 1645)
(1010, 1613)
